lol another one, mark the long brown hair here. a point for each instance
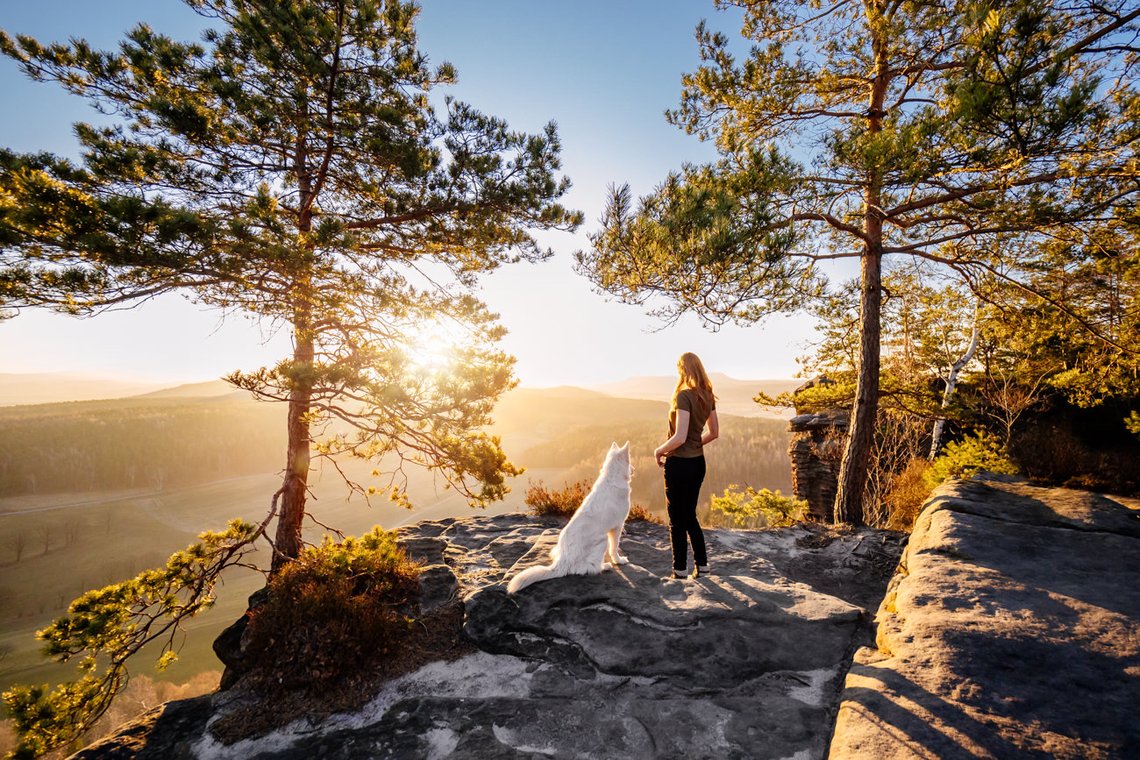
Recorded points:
(691, 374)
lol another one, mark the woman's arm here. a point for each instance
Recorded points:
(713, 429)
(675, 442)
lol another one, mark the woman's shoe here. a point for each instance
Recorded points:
(674, 575)
(699, 570)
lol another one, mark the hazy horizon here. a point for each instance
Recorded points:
(28, 388)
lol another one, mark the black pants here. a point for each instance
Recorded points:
(683, 478)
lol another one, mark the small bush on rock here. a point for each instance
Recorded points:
(336, 611)
(750, 509)
(559, 502)
(640, 513)
(907, 492)
(981, 451)
(564, 502)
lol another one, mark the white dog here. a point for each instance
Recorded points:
(595, 529)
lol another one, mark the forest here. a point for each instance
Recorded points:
(139, 444)
(152, 445)
(750, 452)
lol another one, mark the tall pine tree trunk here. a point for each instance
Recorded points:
(287, 543)
(861, 430)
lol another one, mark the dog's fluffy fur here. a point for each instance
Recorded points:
(595, 529)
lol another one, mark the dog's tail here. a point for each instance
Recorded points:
(534, 575)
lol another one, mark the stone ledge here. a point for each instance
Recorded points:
(1010, 630)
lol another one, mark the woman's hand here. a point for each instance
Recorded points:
(679, 433)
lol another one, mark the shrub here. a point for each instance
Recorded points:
(1132, 423)
(641, 513)
(561, 502)
(907, 491)
(338, 610)
(564, 502)
(755, 509)
(981, 451)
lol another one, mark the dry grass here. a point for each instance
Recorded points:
(640, 513)
(564, 502)
(907, 491)
(556, 502)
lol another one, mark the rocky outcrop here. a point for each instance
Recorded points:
(1011, 630)
(815, 447)
(744, 663)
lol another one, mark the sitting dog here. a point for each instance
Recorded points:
(595, 529)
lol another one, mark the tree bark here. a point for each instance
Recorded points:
(861, 430)
(287, 544)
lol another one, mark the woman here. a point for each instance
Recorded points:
(682, 456)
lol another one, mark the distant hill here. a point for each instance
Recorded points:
(48, 387)
(734, 396)
(208, 389)
(549, 411)
(567, 401)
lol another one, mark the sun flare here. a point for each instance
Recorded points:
(435, 345)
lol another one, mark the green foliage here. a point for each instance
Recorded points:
(1132, 422)
(291, 165)
(837, 393)
(1084, 342)
(960, 135)
(696, 238)
(105, 627)
(750, 509)
(981, 451)
(337, 611)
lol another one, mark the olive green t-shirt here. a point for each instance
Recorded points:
(698, 416)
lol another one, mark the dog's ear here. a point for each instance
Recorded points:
(626, 446)
(613, 445)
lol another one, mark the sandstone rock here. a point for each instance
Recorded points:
(815, 447)
(230, 646)
(744, 663)
(1012, 629)
(165, 732)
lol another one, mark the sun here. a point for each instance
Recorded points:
(434, 346)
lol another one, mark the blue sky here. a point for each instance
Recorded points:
(604, 71)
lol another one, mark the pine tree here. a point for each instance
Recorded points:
(875, 129)
(292, 166)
